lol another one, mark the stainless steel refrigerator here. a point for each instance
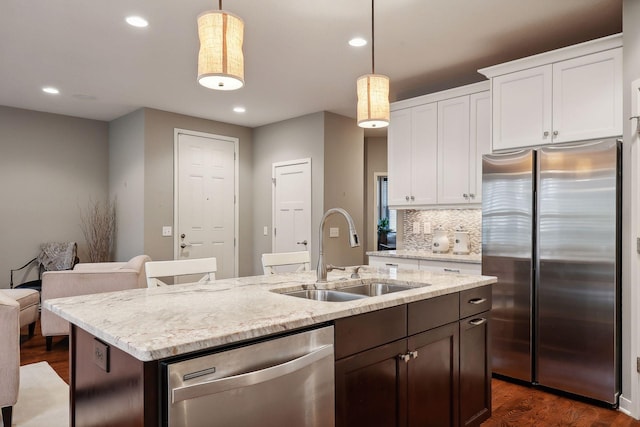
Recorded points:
(551, 234)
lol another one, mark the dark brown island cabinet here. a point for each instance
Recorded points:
(425, 363)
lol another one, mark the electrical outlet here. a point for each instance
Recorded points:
(334, 232)
(166, 231)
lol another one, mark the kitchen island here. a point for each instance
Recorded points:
(119, 340)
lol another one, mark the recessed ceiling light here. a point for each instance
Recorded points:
(137, 21)
(51, 90)
(239, 109)
(357, 42)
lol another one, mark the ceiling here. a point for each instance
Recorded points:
(297, 60)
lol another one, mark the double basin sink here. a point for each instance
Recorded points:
(349, 293)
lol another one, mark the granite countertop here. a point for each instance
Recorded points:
(155, 323)
(429, 256)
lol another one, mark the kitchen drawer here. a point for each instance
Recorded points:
(474, 301)
(368, 330)
(450, 267)
(393, 262)
(431, 313)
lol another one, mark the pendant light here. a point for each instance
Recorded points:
(373, 93)
(220, 60)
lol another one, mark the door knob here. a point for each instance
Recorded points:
(182, 236)
(184, 245)
(304, 242)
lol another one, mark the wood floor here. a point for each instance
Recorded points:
(513, 405)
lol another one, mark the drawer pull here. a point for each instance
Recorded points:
(451, 270)
(391, 265)
(477, 301)
(478, 322)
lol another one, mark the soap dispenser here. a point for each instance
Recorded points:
(440, 243)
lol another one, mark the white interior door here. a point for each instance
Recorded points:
(291, 206)
(206, 213)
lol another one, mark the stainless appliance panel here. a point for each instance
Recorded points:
(507, 252)
(577, 271)
(284, 381)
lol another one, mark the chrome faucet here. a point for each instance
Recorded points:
(353, 241)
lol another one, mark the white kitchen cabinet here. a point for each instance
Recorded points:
(437, 266)
(412, 156)
(571, 94)
(464, 136)
(435, 148)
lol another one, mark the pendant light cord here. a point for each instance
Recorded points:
(373, 42)
(220, 4)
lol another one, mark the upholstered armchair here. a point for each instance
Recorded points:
(9, 355)
(87, 278)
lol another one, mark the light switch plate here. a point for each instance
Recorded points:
(334, 232)
(166, 231)
(265, 231)
(416, 227)
(427, 227)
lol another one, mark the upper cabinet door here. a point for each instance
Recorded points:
(480, 144)
(522, 108)
(399, 155)
(425, 155)
(453, 150)
(587, 97)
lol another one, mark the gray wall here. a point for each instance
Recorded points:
(375, 154)
(298, 138)
(158, 180)
(343, 186)
(51, 166)
(631, 67)
(126, 183)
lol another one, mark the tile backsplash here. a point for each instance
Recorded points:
(449, 219)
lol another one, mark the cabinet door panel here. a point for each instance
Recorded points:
(425, 155)
(433, 378)
(453, 150)
(367, 387)
(399, 157)
(587, 97)
(475, 370)
(522, 108)
(480, 144)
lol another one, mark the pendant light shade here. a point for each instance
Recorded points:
(373, 101)
(373, 92)
(220, 60)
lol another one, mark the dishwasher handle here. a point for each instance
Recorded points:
(250, 378)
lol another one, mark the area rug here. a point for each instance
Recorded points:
(43, 399)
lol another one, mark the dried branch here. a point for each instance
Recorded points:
(98, 225)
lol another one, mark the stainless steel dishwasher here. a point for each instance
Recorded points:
(286, 381)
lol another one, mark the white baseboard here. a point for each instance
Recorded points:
(625, 406)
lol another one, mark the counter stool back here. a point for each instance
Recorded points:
(180, 267)
(301, 259)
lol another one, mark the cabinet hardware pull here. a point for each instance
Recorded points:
(545, 134)
(413, 354)
(391, 265)
(412, 198)
(465, 195)
(477, 301)
(473, 196)
(406, 198)
(451, 270)
(555, 133)
(404, 357)
(477, 322)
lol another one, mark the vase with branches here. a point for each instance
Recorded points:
(98, 223)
